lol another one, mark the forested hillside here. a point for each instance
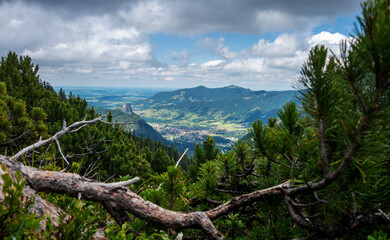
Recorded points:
(135, 124)
(31, 109)
(321, 171)
(230, 104)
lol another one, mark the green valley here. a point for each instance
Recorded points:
(187, 116)
(229, 108)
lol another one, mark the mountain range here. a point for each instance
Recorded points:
(231, 104)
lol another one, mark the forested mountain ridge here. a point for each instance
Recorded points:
(227, 104)
(200, 93)
(135, 123)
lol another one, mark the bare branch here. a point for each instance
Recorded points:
(318, 199)
(15, 139)
(59, 149)
(80, 155)
(55, 136)
(117, 184)
(90, 168)
(178, 161)
(64, 124)
(387, 216)
(303, 221)
(324, 230)
(246, 199)
(76, 130)
(304, 205)
(47, 149)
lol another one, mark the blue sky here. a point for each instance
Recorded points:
(258, 44)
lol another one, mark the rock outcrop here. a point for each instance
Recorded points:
(126, 108)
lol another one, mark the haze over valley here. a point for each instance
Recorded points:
(188, 116)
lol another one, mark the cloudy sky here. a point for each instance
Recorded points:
(258, 44)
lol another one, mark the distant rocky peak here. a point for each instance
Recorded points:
(126, 108)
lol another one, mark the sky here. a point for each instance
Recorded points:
(256, 44)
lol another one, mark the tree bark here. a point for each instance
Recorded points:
(40, 206)
(115, 198)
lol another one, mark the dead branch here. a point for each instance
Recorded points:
(55, 137)
(325, 230)
(81, 155)
(178, 161)
(17, 138)
(59, 149)
(40, 206)
(246, 199)
(114, 196)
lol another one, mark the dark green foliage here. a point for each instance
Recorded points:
(202, 155)
(160, 161)
(210, 151)
(62, 95)
(17, 221)
(16, 122)
(139, 230)
(378, 235)
(207, 179)
(173, 187)
(81, 220)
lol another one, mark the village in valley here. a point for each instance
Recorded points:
(197, 134)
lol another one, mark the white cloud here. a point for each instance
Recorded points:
(268, 63)
(44, 35)
(212, 63)
(100, 45)
(182, 58)
(83, 70)
(326, 38)
(253, 65)
(218, 46)
(330, 40)
(285, 45)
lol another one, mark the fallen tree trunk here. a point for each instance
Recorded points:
(117, 199)
(40, 206)
(114, 197)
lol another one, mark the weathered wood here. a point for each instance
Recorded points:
(72, 128)
(40, 206)
(115, 198)
(245, 200)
